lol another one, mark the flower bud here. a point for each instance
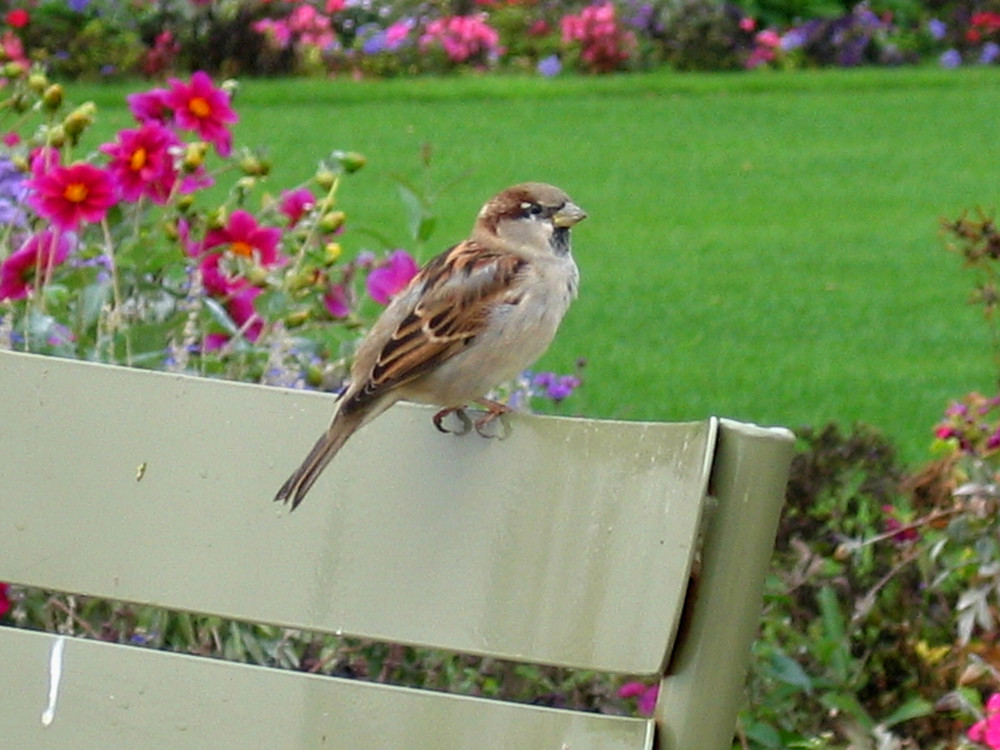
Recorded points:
(55, 136)
(194, 156)
(246, 184)
(332, 221)
(255, 166)
(314, 375)
(52, 99)
(333, 252)
(216, 219)
(325, 178)
(297, 318)
(171, 231)
(185, 202)
(256, 275)
(38, 81)
(12, 69)
(80, 119)
(351, 161)
(300, 280)
(20, 102)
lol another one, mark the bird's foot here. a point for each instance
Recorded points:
(484, 425)
(496, 414)
(460, 415)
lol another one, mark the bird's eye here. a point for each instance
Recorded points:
(532, 209)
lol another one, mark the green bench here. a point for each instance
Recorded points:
(633, 548)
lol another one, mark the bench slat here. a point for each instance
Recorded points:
(517, 548)
(122, 698)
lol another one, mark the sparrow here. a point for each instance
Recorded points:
(472, 318)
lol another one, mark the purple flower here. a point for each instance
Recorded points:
(13, 193)
(989, 53)
(793, 39)
(555, 387)
(951, 59)
(390, 278)
(549, 66)
(937, 29)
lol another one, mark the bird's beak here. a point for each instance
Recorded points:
(568, 215)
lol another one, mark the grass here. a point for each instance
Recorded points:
(760, 246)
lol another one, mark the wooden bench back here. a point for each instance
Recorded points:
(568, 543)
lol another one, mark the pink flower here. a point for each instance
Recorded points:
(35, 259)
(462, 37)
(769, 38)
(986, 731)
(4, 599)
(604, 44)
(201, 107)
(150, 106)
(336, 302)
(390, 278)
(246, 238)
(142, 164)
(67, 196)
(396, 33)
(646, 694)
(242, 311)
(296, 203)
(12, 46)
(278, 33)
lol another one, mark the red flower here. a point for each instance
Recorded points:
(295, 204)
(70, 195)
(391, 278)
(222, 272)
(247, 239)
(36, 257)
(141, 162)
(203, 108)
(17, 18)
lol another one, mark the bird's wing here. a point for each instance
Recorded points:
(451, 301)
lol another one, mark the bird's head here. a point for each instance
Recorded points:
(529, 218)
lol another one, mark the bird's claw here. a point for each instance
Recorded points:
(484, 424)
(460, 415)
(495, 413)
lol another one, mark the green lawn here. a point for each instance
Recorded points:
(760, 246)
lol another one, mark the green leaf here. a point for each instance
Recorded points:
(912, 709)
(272, 304)
(221, 316)
(92, 301)
(790, 672)
(847, 703)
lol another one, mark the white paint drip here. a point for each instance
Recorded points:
(55, 675)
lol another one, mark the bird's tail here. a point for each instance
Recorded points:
(331, 441)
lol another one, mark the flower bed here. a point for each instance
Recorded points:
(97, 38)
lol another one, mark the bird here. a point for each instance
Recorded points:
(473, 317)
